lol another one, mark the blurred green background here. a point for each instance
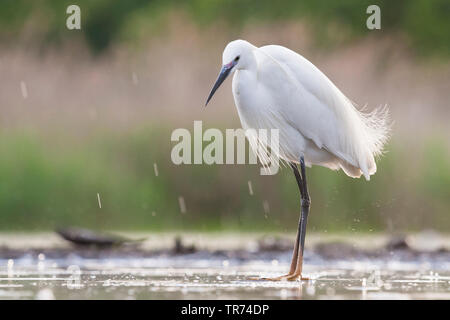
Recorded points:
(100, 105)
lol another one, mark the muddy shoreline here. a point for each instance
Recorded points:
(263, 249)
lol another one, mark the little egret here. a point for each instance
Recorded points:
(276, 88)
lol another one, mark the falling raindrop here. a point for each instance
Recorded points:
(182, 204)
(266, 207)
(23, 88)
(10, 267)
(250, 187)
(41, 264)
(99, 201)
(155, 167)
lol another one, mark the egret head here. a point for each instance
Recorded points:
(237, 55)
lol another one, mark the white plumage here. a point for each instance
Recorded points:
(276, 88)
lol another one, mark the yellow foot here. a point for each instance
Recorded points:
(295, 277)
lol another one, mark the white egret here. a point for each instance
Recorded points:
(276, 88)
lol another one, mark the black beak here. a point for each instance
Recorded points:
(222, 76)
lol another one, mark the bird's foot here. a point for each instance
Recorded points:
(297, 277)
(286, 277)
(279, 278)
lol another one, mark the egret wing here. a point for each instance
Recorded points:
(309, 101)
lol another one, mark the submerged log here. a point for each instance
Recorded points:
(86, 237)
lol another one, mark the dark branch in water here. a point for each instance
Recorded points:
(86, 237)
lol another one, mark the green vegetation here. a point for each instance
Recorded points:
(52, 182)
(425, 23)
(52, 178)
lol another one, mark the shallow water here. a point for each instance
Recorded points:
(204, 276)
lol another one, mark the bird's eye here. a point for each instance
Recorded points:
(237, 58)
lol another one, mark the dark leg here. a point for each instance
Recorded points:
(298, 178)
(305, 204)
(297, 256)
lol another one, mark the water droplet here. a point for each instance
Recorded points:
(23, 89)
(99, 201)
(182, 204)
(250, 187)
(266, 207)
